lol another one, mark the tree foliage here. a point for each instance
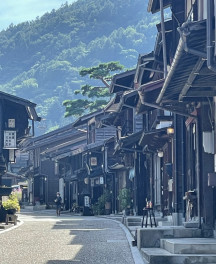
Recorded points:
(95, 97)
(41, 59)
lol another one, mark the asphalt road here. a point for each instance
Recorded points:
(45, 238)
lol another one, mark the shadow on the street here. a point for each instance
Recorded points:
(98, 242)
(64, 261)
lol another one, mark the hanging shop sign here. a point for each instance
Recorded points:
(101, 180)
(9, 139)
(11, 123)
(93, 161)
(12, 155)
(86, 201)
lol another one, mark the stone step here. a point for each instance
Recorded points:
(191, 224)
(134, 224)
(134, 219)
(189, 245)
(160, 219)
(150, 237)
(187, 233)
(165, 223)
(161, 256)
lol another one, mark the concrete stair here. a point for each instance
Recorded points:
(137, 221)
(133, 221)
(189, 245)
(162, 256)
(191, 224)
(182, 250)
(165, 223)
(150, 237)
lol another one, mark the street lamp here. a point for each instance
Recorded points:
(170, 131)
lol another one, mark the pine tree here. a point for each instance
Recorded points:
(94, 97)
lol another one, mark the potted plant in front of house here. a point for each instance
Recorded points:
(103, 205)
(124, 198)
(12, 204)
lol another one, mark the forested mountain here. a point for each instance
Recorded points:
(40, 60)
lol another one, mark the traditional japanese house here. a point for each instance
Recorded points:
(135, 101)
(17, 117)
(162, 139)
(190, 85)
(47, 174)
(97, 157)
(130, 172)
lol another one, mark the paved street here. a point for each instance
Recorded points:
(45, 238)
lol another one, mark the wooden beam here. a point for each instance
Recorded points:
(204, 85)
(205, 71)
(202, 93)
(122, 86)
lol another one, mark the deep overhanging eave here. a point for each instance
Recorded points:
(178, 54)
(191, 78)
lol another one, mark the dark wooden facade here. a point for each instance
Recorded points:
(45, 174)
(15, 117)
(188, 91)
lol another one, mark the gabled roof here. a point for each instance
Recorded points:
(144, 61)
(153, 140)
(85, 118)
(129, 140)
(30, 107)
(62, 136)
(122, 81)
(130, 99)
(148, 93)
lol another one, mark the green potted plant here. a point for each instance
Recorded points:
(124, 198)
(12, 204)
(103, 205)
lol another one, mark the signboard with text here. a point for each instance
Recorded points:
(9, 139)
(93, 161)
(11, 123)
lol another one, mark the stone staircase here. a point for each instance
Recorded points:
(137, 221)
(167, 244)
(185, 246)
(133, 221)
(151, 237)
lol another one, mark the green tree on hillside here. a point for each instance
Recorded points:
(94, 97)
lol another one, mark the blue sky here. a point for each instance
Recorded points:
(17, 11)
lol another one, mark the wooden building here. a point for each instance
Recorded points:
(189, 93)
(97, 157)
(46, 175)
(17, 117)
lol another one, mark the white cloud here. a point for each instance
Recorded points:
(17, 11)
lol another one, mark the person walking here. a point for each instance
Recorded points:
(58, 202)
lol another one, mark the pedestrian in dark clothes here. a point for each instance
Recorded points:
(58, 202)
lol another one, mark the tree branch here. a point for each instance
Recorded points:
(105, 82)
